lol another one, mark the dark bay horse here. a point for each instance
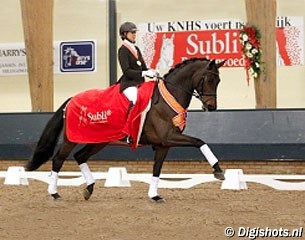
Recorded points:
(194, 77)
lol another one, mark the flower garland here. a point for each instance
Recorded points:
(250, 41)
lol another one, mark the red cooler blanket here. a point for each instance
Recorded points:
(96, 116)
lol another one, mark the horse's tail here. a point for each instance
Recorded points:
(48, 139)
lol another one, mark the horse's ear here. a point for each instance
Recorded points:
(220, 64)
(211, 64)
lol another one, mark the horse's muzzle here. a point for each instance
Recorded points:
(209, 103)
(209, 107)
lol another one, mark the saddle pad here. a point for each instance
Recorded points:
(99, 115)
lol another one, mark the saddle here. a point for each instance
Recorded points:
(99, 115)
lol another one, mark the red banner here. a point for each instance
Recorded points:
(174, 47)
(169, 43)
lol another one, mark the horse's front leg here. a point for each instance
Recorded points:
(177, 139)
(160, 154)
(213, 161)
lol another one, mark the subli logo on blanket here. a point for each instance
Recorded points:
(93, 118)
(77, 56)
(99, 117)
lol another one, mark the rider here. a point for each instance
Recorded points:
(132, 64)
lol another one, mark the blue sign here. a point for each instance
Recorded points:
(77, 56)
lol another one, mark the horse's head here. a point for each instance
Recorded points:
(205, 83)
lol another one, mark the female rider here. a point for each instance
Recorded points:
(133, 67)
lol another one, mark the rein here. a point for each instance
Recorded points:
(195, 92)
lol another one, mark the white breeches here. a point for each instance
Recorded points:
(132, 94)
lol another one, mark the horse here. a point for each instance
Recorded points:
(197, 77)
(70, 56)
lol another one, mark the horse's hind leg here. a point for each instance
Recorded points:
(160, 154)
(81, 158)
(57, 163)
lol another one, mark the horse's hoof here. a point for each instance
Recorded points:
(158, 199)
(86, 194)
(88, 191)
(219, 175)
(56, 196)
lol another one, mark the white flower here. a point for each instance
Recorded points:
(251, 71)
(257, 65)
(254, 51)
(248, 46)
(249, 55)
(244, 37)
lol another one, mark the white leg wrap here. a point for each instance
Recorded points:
(86, 173)
(52, 189)
(153, 187)
(209, 155)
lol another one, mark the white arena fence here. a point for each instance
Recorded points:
(118, 177)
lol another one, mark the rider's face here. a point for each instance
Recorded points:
(131, 36)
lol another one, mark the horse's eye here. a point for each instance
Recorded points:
(210, 80)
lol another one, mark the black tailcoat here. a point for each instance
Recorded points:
(132, 70)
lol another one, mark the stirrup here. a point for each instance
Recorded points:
(127, 139)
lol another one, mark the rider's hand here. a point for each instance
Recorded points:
(157, 73)
(149, 73)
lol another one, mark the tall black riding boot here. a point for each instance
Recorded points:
(128, 138)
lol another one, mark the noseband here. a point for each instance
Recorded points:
(200, 94)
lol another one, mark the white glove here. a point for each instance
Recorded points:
(157, 73)
(149, 73)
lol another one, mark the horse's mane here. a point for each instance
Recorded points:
(179, 65)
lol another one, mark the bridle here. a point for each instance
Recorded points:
(200, 93)
(196, 93)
